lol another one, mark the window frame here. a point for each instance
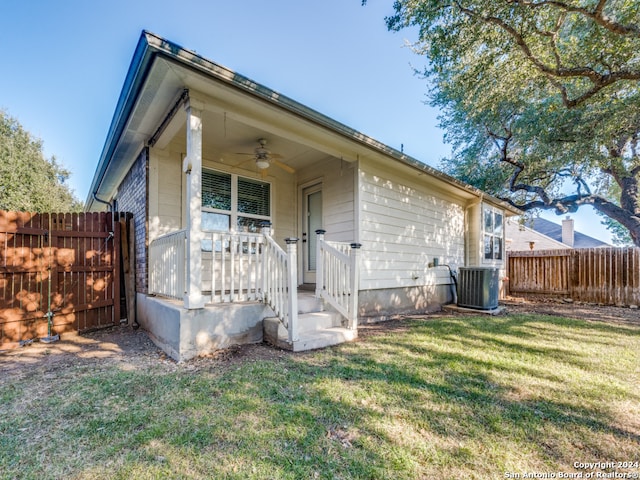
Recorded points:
(493, 234)
(233, 213)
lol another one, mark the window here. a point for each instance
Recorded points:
(492, 227)
(230, 202)
(254, 204)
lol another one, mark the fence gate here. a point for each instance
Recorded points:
(62, 268)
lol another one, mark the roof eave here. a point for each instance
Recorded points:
(150, 45)
(136, 74)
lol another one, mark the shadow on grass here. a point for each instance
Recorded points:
(453, 395)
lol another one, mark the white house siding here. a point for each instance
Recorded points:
(474, 234)
(405, 222)
(284, 204)
(165, 193)
(475, 245)
(337, 178)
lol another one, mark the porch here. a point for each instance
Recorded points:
(249, 290)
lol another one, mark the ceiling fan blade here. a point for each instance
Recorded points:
(244, 161)
(283, 166)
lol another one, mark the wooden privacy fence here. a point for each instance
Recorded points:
(609, 275)
(58, 267)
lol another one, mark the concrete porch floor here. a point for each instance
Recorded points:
(184, 334)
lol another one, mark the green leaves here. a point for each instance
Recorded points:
(539, 98)
(29, 181)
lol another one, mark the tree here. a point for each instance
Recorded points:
(539, 98)
(28, 180)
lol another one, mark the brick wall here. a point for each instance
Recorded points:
(133, 196)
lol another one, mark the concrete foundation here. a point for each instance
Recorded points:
(384, 304)
(184, 334)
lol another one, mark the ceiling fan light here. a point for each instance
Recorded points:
(262, 163)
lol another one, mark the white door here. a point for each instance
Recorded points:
(312, 221)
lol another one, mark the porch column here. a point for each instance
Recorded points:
(192, 166)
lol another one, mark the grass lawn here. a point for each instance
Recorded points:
(445, 398)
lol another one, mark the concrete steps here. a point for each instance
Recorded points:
(308, 303)
(316, 328)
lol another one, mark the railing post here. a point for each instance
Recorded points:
(319, 263)
(292, 287)
(355, 285)
(265, 229)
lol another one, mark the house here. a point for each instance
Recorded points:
(249, 206)
(541, 234)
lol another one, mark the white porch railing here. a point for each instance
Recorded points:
(337, 276)
(239, 267)
(253, 267)
(167, 265)
(280, 285)
(233, 270)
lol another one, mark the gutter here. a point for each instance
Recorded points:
(198, 63)
(136, 75)
(108, 204)
(151, 45)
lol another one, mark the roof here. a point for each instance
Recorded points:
(554, 231)
(519, 238)
(147, 93)
(545, 235)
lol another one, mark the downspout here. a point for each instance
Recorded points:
(95, 197)
(454, 286)
(113, 214)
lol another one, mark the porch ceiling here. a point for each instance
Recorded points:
(237, 112)
(232, 124)
(232, 142)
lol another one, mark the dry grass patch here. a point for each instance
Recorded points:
(450, 397)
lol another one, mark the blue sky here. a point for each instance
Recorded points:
(64, 62)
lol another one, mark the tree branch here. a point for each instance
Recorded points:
(597, 15)
(598, 80)
(570, 204)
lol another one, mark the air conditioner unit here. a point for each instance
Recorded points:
(478, 287)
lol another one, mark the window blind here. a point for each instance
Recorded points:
(254, 197)
(216, 190)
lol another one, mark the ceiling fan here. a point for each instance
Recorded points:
(265, 158)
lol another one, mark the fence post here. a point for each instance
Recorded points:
(319, 262)
(292, 287)
(355, 285)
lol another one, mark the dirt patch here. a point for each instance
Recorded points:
(132, 349)
(569, 309)
(122, 347)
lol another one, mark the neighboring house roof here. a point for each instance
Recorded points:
(519, 237)
(160, 70)
(545, 234)
(554, 231)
